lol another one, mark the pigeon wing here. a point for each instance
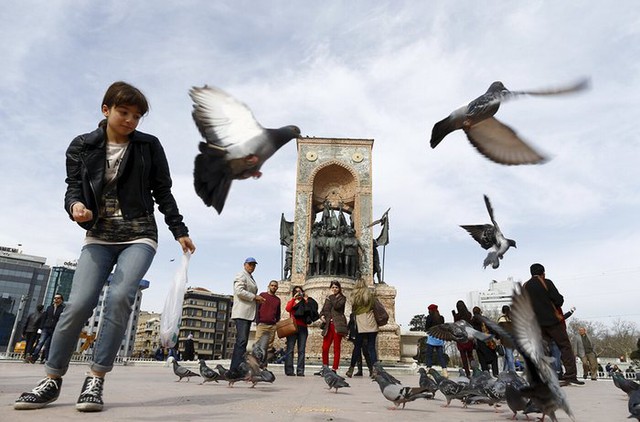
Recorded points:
(501, 144)
(578, 86)
(484, 234)
(221, 119)
(448, 332)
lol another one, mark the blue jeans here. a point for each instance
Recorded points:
(509, 364)
(243, 326)
(301, 338)
(94, 266)
(371, 348)
(44, 344)
(440, 353)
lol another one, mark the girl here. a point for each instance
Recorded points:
(332, 316)
(362, 300)
(298, 300)
(114, 176)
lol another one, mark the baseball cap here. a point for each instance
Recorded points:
(250, 260)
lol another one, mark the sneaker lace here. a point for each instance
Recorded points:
(44, 386)
(94, 386)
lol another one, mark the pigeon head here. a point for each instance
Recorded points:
(497, 86)
(512, 243)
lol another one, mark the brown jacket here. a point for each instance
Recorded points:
(333, 310)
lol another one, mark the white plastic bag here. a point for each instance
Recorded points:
(172, 312)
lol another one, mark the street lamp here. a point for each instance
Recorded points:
(23, 299)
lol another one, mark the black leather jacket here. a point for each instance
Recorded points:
(143, 177)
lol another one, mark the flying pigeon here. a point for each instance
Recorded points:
(544, 388)
(397, 393)
(236, 144)
(181, 371)
(332, 379)
(207, 373)
(490, 238)
(460, 332)
(634, 405)
(493, 139)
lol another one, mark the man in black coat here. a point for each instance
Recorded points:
(546, 302)
(49, 322)
(30, 330)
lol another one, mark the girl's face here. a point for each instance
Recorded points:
(122, 120)
(335, 289)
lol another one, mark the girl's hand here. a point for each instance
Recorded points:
(187, 244)
(80, 213)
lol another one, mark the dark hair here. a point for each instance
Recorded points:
(536, 269)
(58, 294)
(122, 93)
(506, 309)
(40, 307)
(463, 311)
(477, 310)
(336, 283)
(293, 291)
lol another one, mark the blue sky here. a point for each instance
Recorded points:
(358, 69)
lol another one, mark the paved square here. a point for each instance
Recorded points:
(148, 392)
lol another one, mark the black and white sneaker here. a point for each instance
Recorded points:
(90, 399)
(46, 392)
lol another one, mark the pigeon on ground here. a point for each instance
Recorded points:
(634, 405)
(332, 379)
(490, 237)
(222, 371)
(236, 144)
(383, 373)
(207, 373)
(544, 388)
(448, 388)
(426, 382)
(397, 393)
(626, 385)
(181, 371)
(517, 402)
(460, 332)
(493, 139)
(256, 361)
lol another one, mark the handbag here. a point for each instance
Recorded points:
(172, 311)
(286, 327)
(500, 349)
(380, 314)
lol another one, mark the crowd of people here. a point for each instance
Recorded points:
(547, 305)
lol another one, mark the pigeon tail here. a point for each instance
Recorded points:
(491, 259)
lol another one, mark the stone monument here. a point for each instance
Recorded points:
(333, 217)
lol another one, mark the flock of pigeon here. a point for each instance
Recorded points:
(237, 146)
(539, 391)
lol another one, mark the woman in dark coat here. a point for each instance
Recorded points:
(335, 324)
(465, 349)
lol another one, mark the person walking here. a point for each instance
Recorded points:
(268, 314)
(583, 348)
(189, 353)
(243, 312)
(486, 350)
(115, 174)
(30, 331)
(546, 302)
(466, 348)
(362, 301)
(505, 322)
(433, 343)
(296, 308)
(335, 324)
(49, 322)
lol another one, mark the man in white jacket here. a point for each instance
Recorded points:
(245, 297)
